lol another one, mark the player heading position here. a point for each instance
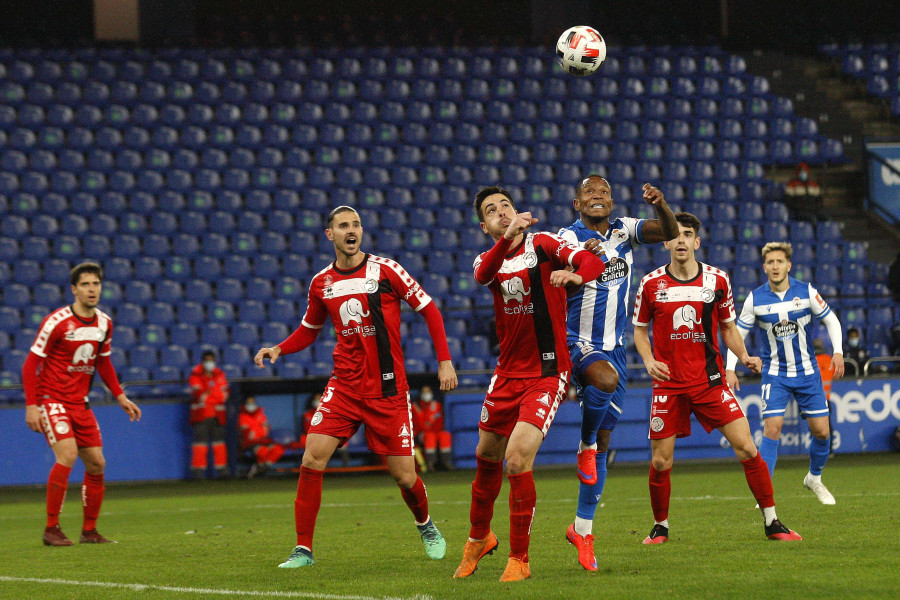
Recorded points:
(526, 274)
(784, 308)
(72, 344)
(688, 302)
(361, 293)
(597, 316)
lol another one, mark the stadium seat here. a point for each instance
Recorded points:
(182, 334)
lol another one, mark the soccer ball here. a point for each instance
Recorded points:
(580, 50)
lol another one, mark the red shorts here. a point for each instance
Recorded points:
(670, 413)
(531, 400)
(63, 421)
(388, 421)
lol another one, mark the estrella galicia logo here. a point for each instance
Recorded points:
(785, 330)
(615, 274)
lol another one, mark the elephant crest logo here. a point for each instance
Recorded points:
(686, 316)
(514, 289)
(84, 354)
(352, 310)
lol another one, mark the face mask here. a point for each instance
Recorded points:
(209, 365)
(853, 342)
(250, 408)
(803, 176)
(427, 397)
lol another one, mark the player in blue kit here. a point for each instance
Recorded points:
(784, 308)
(597, 316)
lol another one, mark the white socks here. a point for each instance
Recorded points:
(583, 527)
(583, 446)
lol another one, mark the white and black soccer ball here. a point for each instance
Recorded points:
(580, 50)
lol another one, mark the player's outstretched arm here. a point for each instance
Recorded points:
(131, 409)
(658, 370)
(664, 227)
(447, 376)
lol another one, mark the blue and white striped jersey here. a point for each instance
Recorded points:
(598, 310)
(785, 317)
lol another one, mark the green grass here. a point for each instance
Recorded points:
(229, 536)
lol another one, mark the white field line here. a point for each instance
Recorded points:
(140, 587)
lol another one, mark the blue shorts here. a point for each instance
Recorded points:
(807, 389)
(583, 356)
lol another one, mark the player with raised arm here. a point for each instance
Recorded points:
(526, 273)
(361, 293)
(597, 316)
(688, 302)
(784, 308)
(72, 344)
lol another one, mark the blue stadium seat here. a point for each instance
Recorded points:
(160, 313)
(273, 333)
(827, 274)
(237, 355)
(245, 334)
(801, 232)
(175, 356)
(853, 272)
(144, 357)
(191, 312)
(153, 335)
(129, 315)
(828, 231)
(183, 334)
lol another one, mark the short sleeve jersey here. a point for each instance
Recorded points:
(70, 346)
(364, 306)
(786, 318)
(530, 312)
(686, 317)
(598, 310)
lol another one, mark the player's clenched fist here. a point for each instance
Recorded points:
(520, 223)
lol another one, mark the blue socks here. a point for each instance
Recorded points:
(594, 405)
(589, 495)
(818, 454)
(768, 449)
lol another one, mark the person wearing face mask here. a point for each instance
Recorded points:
(803, 195)
(856, 350)
(255, 431)
(209, 393)
(428, 421)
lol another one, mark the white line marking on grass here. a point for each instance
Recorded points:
(140, 587)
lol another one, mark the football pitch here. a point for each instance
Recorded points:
(208, 540)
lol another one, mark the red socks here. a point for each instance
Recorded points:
(760, 481)
(198, 456)
(660, 490)
(57, 483)
(485, 489)
(306, 505)
(417, 500)
(91, 499)
(220, 455)
(522, 498)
